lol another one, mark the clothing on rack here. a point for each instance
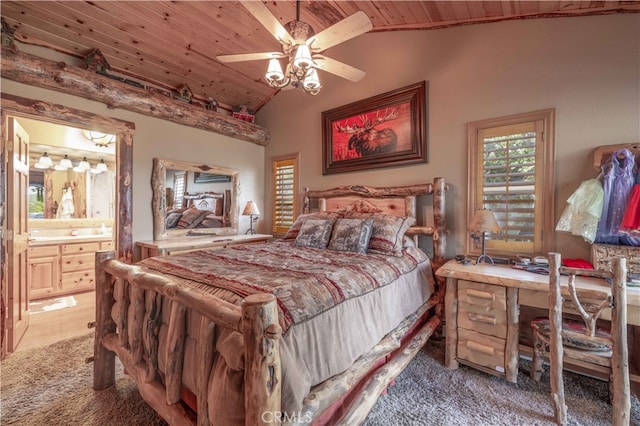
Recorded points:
(631, 220)
(619, 179)
(582, 213)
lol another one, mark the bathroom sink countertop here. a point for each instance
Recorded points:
(64, 239)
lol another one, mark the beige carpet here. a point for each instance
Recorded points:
(52, 386)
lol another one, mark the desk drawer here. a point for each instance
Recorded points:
(482, 308)
(480, 349)
(80, 248)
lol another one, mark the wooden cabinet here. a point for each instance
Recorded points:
(59, 269)
(44, 271)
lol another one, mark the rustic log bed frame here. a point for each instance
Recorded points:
(134, 337)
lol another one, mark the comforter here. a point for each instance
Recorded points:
(333, 307)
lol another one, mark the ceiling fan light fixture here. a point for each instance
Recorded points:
(311, 82)
(303, 57)
(274, 71)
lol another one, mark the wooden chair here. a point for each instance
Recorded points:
(582, 340)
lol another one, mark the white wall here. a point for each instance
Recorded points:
(588, 68)
(163, 139)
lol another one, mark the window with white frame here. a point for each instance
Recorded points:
(511, 172)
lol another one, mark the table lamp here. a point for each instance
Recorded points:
(484, 221)
(251, 210)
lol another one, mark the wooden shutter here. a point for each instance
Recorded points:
(284, 194)
(178, 189)
(509, 167)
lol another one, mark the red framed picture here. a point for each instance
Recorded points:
(382, 131)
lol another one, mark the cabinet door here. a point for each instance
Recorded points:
(44, 276)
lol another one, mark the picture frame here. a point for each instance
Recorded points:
(385, 130)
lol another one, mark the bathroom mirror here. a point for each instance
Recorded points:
(192, 199)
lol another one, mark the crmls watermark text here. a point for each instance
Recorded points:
(280, 417)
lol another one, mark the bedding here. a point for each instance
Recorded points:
(333, 307)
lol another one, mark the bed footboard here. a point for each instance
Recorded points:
(134, 339)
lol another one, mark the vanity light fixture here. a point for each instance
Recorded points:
(44, 162)
(100, 167)
(84, 164)
(65, 162)
(251, 210)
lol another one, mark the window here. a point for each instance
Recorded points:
(511, 171)
(178, 189)
(285, 192)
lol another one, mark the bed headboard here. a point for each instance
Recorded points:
(398, 201)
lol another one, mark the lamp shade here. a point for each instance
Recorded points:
(274, 72)
(484, 221)
(45, 162)
(311, 81)
(250, 209)
(303, 57)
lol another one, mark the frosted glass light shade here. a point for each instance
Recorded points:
(303, 57)
(274, 71)
(65, 162)
(311, 81)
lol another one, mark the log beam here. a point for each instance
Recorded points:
(59, 76)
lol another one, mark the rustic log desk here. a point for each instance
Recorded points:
(483, 324)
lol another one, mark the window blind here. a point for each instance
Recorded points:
(284, 194)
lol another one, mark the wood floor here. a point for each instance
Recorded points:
(52, 326)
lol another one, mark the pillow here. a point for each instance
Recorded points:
(351, 235)
(314, 233)
(408, 242)
(191, 218)
(172, 219)
(292, 233)
(388, 232)
(209, 204)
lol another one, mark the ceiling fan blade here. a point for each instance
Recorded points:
(270, 22)
(350, 27)
(338, 68)
(249, 56)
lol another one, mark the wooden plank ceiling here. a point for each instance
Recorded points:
(170, 43)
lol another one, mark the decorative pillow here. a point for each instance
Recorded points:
(209, 204)
(314, 233)
(388, 232)
(292, 233)
(408, 242)
(191, 218)
(172, 219)
(351, 235)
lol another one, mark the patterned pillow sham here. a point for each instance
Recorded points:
(191, 218)
(314, 233)
(292, 233)
(351, 235)
(388, 232)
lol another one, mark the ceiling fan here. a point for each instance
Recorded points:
(303, 48)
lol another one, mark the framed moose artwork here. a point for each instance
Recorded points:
(382, 131)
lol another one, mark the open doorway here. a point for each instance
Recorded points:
(71, 210)
(13, 215)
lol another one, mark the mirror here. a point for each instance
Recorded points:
(191, 199)
(71, 177)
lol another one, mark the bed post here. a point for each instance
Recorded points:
(262, 373)
(104, 367)
(439, 241)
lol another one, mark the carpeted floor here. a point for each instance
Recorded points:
(52, 386)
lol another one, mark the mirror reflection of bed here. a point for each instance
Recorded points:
(198, 210)
(195, 200)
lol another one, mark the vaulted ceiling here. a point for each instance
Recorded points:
(170, 43)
